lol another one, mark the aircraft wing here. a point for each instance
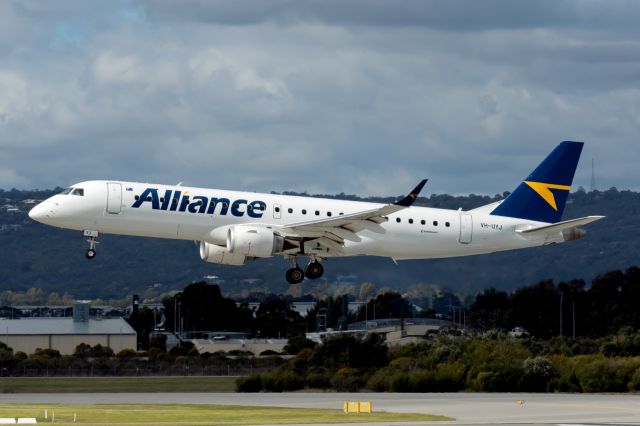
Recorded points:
(332, 232)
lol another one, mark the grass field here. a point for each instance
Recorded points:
(116, 384)
(184, 414)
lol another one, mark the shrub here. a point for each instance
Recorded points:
(448, 378)
(400, 382)
(634, 383)
(249, 384)
(379, 381)
(346, 380)
(538, 372)
(127, 354)
(600, 375)
(281, 381)
(318, 379)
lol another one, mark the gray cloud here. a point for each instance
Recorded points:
(326, 96)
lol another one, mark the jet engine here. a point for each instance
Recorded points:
(253, 241)
(573, 234)
(216, 254)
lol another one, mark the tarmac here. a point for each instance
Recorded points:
(466, 408)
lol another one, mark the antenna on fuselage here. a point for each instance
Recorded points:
(179, 183)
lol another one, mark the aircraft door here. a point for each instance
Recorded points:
(114, 198)
(277, 211)
(466, 228)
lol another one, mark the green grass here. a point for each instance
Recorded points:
(116, 384)
(185, 414)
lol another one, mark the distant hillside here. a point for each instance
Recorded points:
(34, 255)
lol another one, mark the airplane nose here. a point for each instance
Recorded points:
(40, 212)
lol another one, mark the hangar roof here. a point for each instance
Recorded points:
(39, 326)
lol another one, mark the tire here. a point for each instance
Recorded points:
(295, 275)
(90, 254)
(314, 270)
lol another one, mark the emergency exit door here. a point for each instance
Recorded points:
(114, 198)
(466, 228)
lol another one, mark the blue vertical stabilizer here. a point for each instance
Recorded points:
(543, 194)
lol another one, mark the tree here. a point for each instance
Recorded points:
(277, 318)
(489, 310)
(298, 343)
(201, 307)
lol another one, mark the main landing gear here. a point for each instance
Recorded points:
(295, 274)
(93, 241)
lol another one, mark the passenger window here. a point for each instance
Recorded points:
(249, 207)
(225, 205)
(341, 214)
(317, 212)
(435, 223)
(329, 214)
(447, 224)
(410, 220)
(137, 197)
(149, 199)
(161, 199)
(422, 222)
(290, 210)
(398, 219)
(304, 211)
(277, 209)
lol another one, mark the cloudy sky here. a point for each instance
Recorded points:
(330, 96)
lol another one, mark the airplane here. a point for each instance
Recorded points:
(234, 227)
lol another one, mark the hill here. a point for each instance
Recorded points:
(35, 255)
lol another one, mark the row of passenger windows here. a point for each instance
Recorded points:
(424, 222)
(304, 211)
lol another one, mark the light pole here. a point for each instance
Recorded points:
(561, 300)
(573, 306)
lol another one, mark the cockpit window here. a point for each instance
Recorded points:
(78, 191)
(66, 191)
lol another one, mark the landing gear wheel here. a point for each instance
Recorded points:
(93, 242)
(295, 275)
(314, 270)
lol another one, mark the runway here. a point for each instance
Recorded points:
(466, 408)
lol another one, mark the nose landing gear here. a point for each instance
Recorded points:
(93, 241)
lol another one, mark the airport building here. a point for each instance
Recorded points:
(64, 334)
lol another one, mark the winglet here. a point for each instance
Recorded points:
(409, 199)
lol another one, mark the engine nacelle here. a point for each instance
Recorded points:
(573, 234)
(253, 241)
(216, 254)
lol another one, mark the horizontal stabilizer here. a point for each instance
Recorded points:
(558, 227)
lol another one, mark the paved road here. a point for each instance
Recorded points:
(466, 408)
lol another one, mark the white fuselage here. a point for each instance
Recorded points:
(412, 233)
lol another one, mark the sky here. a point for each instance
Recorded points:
(362, 97)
